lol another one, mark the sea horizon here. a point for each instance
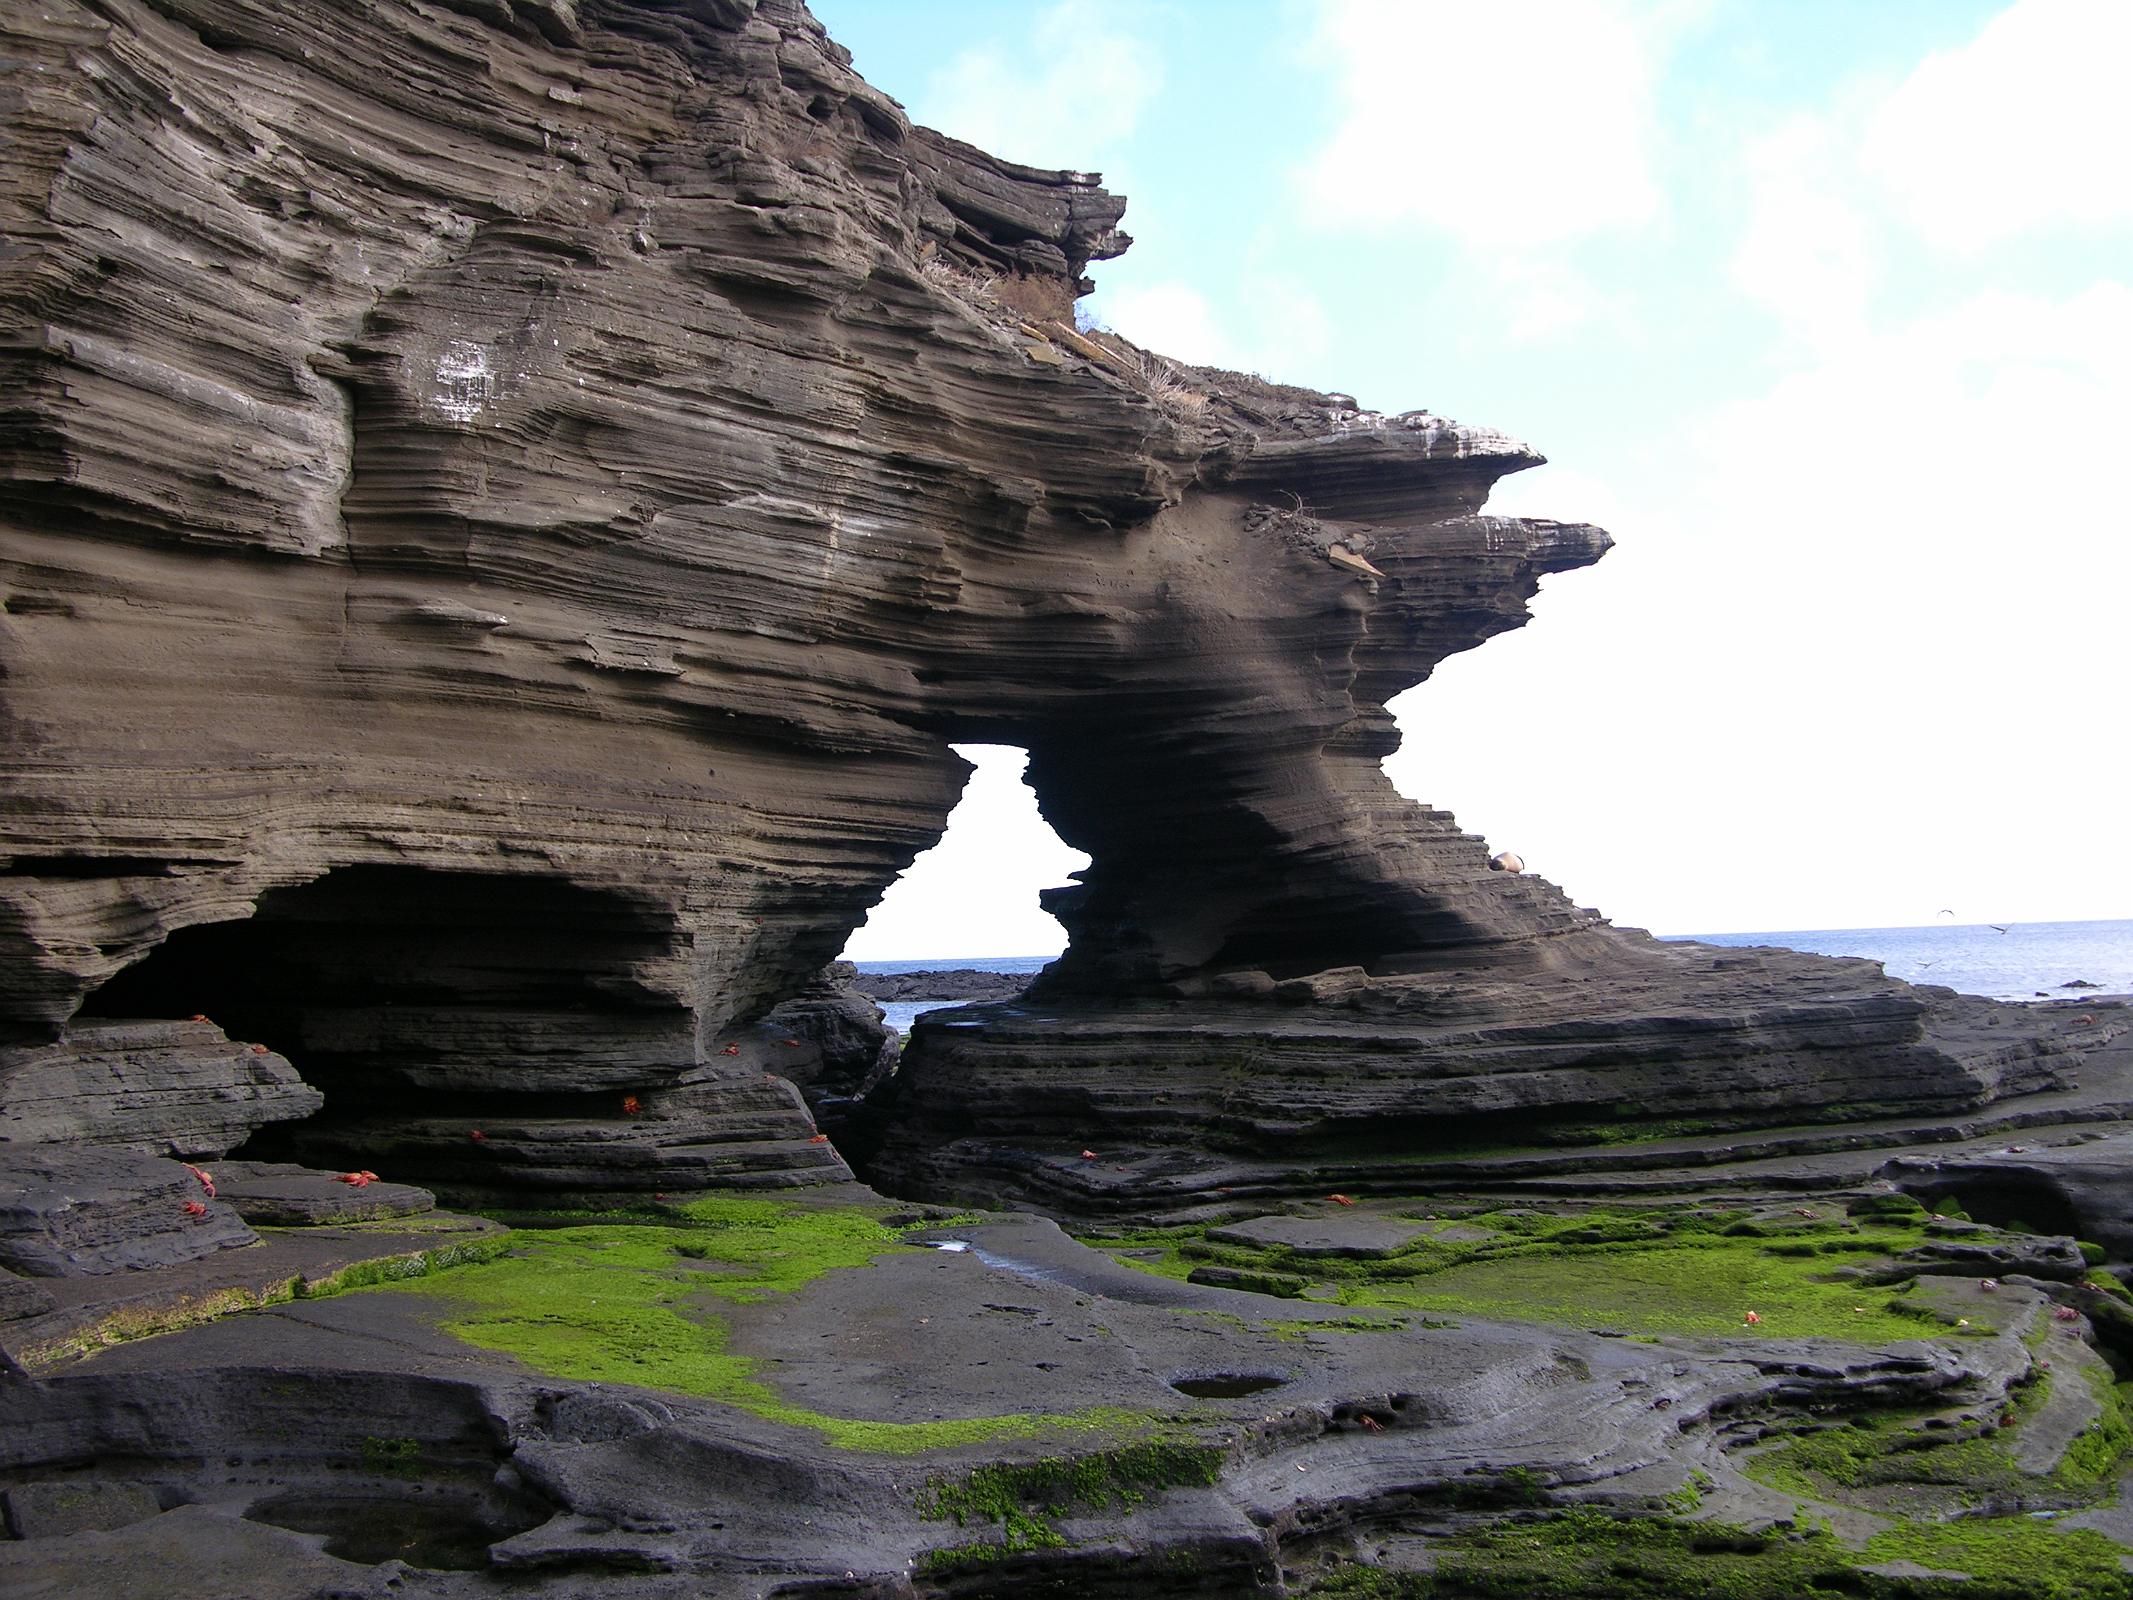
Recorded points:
(1999, 961)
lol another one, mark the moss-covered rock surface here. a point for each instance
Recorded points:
(1584, 1555)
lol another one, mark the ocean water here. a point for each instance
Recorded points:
(2023, 961)
(900, 1012)
(952, 963)
(2017, 961)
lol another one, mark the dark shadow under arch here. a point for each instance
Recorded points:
(414, 991)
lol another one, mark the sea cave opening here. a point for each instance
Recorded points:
(971, 901)
(407, 993)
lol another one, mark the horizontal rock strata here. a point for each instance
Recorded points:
(69, 1213)
(1337, 1436)
(602, 456)
(508, 506)
(181, 1088)
(276, 1194)
(2081, 1187)
(1348, 1079)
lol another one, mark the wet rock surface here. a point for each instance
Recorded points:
(2085, 1186)
(1359, 1236)
(67, 1212)
(1281, 1438)
(602, 471)
(279, 1194)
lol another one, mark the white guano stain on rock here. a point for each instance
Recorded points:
(464, 382)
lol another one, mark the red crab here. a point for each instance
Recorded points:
(1340, 1199)
(194, 1208)
(731, 1050)
(207, 1179)
(1088, 1155)
(259, 1050)
(358, 1180)
(631, 1105)
(820, 1138)
(1370, 1423)
(790, 1044)
(477, 1136)
(1752, 1318)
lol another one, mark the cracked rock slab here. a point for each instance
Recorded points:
(69, 1212)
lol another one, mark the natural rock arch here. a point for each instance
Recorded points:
(616, 468)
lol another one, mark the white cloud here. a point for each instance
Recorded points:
(1514, 123)
(1565, 494)
(975, 893)
(1279, 328)
(1808, 253)
(1857, 655)
(1542, 298)
(1173, 319)
(2030, 125)
(1075, 92)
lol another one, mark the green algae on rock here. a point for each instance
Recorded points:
(1025, 1498)
(626, 1303)
(1676, 1270)
(1586, 1555)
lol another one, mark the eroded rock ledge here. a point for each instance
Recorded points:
(507, 508)
(508, 503)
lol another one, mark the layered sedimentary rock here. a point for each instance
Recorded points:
(70, 1213)
(179, 1088)
(1345, 1081)
(2083, 1187)
(506, 508)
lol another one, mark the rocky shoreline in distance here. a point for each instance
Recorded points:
(944, 983)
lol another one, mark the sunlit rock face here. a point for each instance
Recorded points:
(506, 509)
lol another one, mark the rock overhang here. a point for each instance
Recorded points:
(602, 488)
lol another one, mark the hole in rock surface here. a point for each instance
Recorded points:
(406, 991)
(1226, 1385)
(972, 899)
(2027, 1206)
(436, 1530)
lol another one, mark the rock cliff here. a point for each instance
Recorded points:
(507, 505)
(506, 508)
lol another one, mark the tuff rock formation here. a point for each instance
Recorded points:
(507, 506)
(507, 503)
(942, 983)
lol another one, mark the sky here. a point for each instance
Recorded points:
(1824, 308)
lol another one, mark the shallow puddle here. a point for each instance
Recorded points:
(1226, 1385)
(441, 1533)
